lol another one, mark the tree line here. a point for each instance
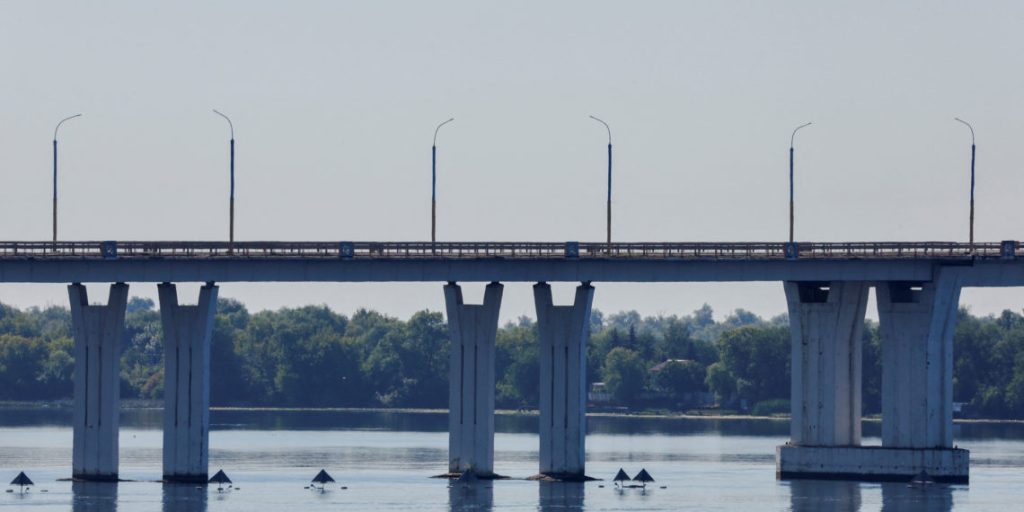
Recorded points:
(313, 357)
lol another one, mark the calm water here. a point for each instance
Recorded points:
(385, 460)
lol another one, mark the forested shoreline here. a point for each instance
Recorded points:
(313, 357)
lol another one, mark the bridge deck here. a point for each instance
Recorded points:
(984, 264)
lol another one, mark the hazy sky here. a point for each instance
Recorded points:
(335, 104)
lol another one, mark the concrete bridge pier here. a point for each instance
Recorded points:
(563, 333)
(826, 329)
(917, 322)
(187, 334)
(826, 325)
(97, 331)
(473, 328)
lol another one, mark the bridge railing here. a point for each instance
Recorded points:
(505, 250)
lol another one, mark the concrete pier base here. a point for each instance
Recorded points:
(473, 329)
(97, 331)
(870, 463)
(187, 333)
(563, 333)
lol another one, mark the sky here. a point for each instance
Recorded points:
(334, 106)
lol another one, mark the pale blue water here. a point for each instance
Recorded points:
(385, 460)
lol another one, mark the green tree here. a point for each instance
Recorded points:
(517, 365)
(759, 359)
(21, 362)
(624, 375)
(679, 378)
(721, 382)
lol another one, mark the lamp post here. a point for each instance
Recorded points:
(973, 147)
(609, 227)
(55, 172)
(433, 183)
(231, 209)
(791, 138)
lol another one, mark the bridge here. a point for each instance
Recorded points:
(917, 287)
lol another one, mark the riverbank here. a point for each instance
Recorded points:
(652, 414)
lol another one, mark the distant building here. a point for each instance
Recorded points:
(599, 393)
(661, 366)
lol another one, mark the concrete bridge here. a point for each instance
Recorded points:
(917, 286)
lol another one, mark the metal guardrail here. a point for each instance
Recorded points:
(110, 250)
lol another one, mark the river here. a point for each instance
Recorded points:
(385, 459)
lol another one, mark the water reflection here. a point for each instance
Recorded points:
(824, 495)
(184, 498)
(93, 496)
(916, 497)
(475, 496)
(557, 496)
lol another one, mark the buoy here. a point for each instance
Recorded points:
(220, 479)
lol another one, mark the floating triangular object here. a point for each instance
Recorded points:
(468, 477)
(220, 478)
(621, 476)
(643, 476)
(322, 478)
(22, 480)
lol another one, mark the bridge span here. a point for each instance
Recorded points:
(985, 264)
(917, 287)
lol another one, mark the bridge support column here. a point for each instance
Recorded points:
(826, 328)
(563, 332)
(917, 322)
(97, 331)
(187, 333)
(473, 328)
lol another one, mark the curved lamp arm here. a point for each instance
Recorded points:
(62, 122)
(969, 126)
(791, 137)
(606, 127)
(439, 128)
(228, 119)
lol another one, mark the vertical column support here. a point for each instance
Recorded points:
(187, 334)
(97, 331)
(917, 322)
(563, 333)
(473, 329)
(826, 327)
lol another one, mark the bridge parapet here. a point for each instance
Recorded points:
(507, 250)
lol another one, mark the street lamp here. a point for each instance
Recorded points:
(55, 172)
(231, 213)
(433, 183)
(791, 178)
(971, 236)
(606, 127)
